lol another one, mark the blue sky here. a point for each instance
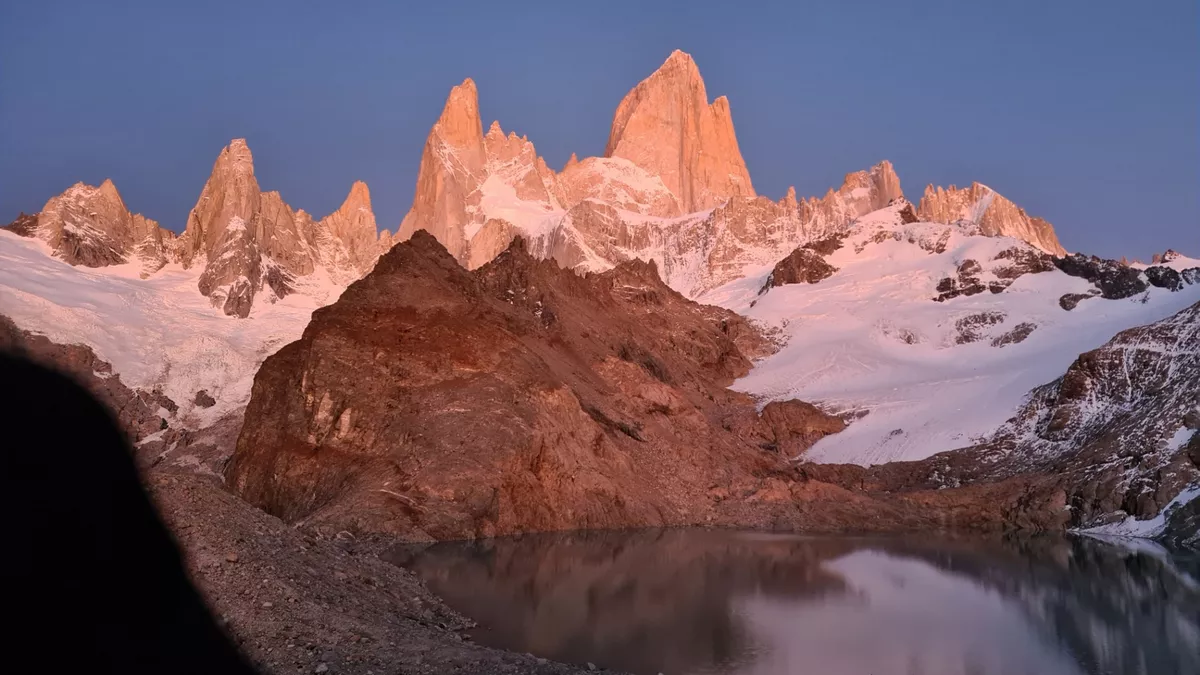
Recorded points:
(1084, 113)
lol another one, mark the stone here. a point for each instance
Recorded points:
(204, 400)
(1070, 301)
(231, 557)
(1015, 336)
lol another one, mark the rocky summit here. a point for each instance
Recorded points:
(433, 402)
(666, 126)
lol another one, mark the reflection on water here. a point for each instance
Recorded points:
(702, 601)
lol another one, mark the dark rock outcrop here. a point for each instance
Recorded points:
(1015, 336)
(970, 328)
(1114, 280)
(1164, 277)
(966, 283)
(1070, 301)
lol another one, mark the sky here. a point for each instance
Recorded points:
(1082, 112)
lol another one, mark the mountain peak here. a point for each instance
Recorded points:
(666, 126)
(681, 65)
(991, 212)
(459, 124)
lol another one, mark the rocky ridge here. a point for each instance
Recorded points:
(91, 226)
(244, 239)
(517, 397)
(671, 188)
(989, 211)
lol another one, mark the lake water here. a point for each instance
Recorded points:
(704, 601)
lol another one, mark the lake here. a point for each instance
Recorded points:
(693, 601)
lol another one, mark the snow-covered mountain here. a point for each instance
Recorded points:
(240, 239)
(926, 326)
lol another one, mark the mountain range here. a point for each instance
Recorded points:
(635, 339)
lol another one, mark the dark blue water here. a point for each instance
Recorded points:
(702, 601)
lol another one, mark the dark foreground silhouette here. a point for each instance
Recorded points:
(93, 582)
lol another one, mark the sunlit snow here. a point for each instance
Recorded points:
(848, 344)
(156, 332)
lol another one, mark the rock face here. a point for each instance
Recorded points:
(1111, 278)
(452, 169)
(666, 126)
(672, 188)
(92, 227)
(994, 215)
(435, 402)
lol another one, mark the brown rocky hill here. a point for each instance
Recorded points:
(433, 402)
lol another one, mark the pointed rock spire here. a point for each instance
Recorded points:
(571, 161)
(353, 225)
(231, 195)
(452, 168)
(666, 126)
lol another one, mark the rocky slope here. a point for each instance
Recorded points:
(434, 402)
(930, 335)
